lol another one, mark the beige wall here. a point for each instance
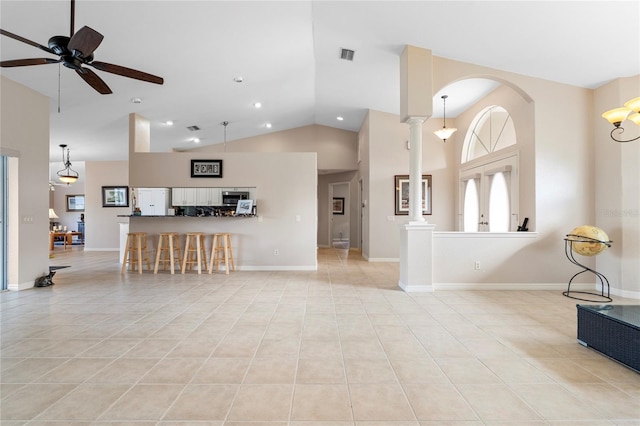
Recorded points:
(336, 149)
(286, 203)
(102, 223)
(617, 189)
(24, 136)
(352, 210)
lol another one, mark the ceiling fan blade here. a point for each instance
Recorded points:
(126, 72)
(94, 81)
(28, 62)
(27, 41)
(85, 41)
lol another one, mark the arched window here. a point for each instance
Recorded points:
(491, 130)
(489, 174)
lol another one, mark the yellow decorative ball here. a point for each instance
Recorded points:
(588, 240)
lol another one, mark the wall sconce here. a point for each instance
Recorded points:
(630, 111)
(444, 133)
(67, 175)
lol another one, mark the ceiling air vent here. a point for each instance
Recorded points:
(347, 54)
(193, 128)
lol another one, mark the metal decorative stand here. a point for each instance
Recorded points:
(568, 250)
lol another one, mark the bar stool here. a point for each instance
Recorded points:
(136, 252)
(221, 251)
(165, 252)
(194, 255)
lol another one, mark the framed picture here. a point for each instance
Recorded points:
(244, 207)
(75, 203)
(115, 196)
(338, 205)
(402, 194)
(206, 168)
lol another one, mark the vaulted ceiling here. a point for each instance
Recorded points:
(287, 54)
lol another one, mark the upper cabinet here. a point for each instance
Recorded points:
(153, 201)
(208, 197)
(183, 196)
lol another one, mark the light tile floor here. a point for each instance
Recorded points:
(334, 347)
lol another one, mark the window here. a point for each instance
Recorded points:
(490, 131)
(489, 174)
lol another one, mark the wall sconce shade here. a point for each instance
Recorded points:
(52, 214)
(446, 132)
(67, 175)
(630, 111)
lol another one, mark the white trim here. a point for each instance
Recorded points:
(21, 286)
(513, 286)
(622, 293)
(101, 249)
(454, 234)
(384, 259)
(416, 288)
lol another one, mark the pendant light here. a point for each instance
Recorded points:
(67, 175)
(444, 133)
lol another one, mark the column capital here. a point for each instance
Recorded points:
(415, 120)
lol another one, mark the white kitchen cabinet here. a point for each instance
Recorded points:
(153, 201)
(183, 196)
(208, 197)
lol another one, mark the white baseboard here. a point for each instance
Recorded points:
(513, 286)
(277, 268)
(21, 286)
(100, 249)
(383, 259)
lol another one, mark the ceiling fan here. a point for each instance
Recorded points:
(76, 52)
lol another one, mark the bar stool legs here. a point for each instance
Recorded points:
(136, 252)
(167, 253)
(221, 251)
(194, 255)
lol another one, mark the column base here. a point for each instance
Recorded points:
(416, 257)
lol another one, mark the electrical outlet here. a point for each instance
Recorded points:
(476, 265)
(276, 252)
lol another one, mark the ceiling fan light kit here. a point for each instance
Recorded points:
(76, 52)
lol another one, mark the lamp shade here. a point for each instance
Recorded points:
(633, 104)
(52, 214)
(617, 115)
(635, 118)
(445, 133)
(68, 178)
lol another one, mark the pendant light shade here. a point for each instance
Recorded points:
(67, 175)
(630, 111)
(446, 132)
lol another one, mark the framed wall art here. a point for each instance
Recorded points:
(206, 168)
(338, 205)
(75, 203)
(402, 194)
(115, 196)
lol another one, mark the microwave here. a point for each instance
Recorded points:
(231, 198)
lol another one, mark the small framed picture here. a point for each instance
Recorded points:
(244, 207)
(75, 203)
(115, 196)
(338, 205)
(206, 168)
(402, 194)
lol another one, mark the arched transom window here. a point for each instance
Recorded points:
(491, 130)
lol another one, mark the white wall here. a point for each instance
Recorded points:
(24, 135)
(352, 209)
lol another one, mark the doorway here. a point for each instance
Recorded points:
(339, 215)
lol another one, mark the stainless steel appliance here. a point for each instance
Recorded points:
(231, 198)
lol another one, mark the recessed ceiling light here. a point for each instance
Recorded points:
(169, 123)
(267, 125)
(339, 118)
(238, 79)
(136, 100)
(258, 104)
